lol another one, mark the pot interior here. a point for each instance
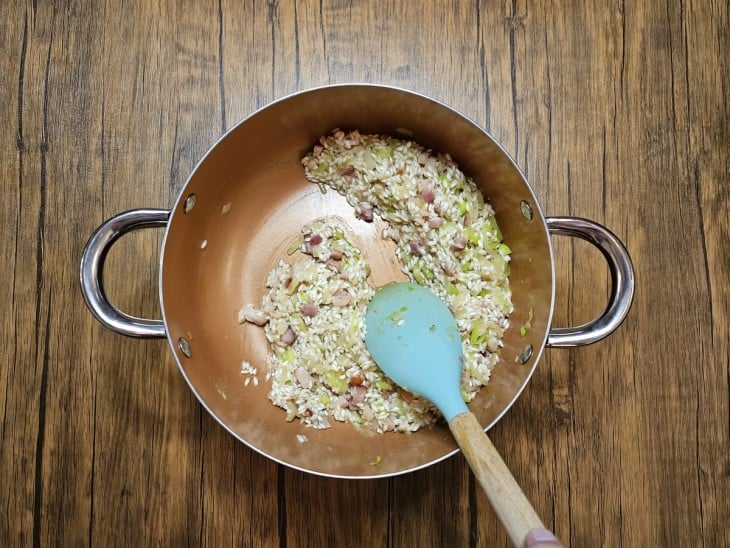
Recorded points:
(251, 199)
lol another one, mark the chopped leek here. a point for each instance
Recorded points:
(478, 333)
(335, 381)
(525, 328)
(418, 274)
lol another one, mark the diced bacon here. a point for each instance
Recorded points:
(336, 255)
(315, 239)
(364, 211)
(448, 269)
(358, 396)
(309, 309)
(458, 243)
(343, 402)
(416, 249)
(304, 378)
(348, 171)
(333, 264)
(367, 413)
(427, 194)
(435, 222)
(341, 298)
(467, 220)
(288, 337)
(318, 150)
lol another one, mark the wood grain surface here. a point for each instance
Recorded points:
(616, 111)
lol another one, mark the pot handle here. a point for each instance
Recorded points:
(622, 282)
(92, 266)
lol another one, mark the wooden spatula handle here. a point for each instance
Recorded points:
(509, 502)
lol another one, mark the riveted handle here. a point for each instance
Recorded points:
(622, 282)
(92, 265)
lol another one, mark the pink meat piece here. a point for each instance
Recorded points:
(367, 413)
(416, 248)
(341, 298)
(448, 269)
(427, 194)
(333, 264)
(288, 337)
(358, 396)
(304, 378)
(309, 309)
(435, 222)
(458, 243)
(364, 211)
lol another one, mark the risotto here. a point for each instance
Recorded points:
(447, 239)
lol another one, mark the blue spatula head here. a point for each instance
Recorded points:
(413, 337)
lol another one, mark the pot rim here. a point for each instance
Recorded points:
(179, 203)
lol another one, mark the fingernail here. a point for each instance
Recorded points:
(541, 537)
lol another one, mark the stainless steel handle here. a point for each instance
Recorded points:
(622, 282)
(92, 265)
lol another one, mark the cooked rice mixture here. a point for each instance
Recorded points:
(447, 239)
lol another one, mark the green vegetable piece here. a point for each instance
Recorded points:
(336, 382)
(504, 248)
(382, 384)
(418, 274)
(289, 355)
(478, 333)
(525, 328)
(397, 316)
(472, 235)
(295, 245)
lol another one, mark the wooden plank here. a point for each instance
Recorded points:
(20, 379)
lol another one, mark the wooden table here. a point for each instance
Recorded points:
(616, 111)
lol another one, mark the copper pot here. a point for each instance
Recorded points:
(243, 205)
